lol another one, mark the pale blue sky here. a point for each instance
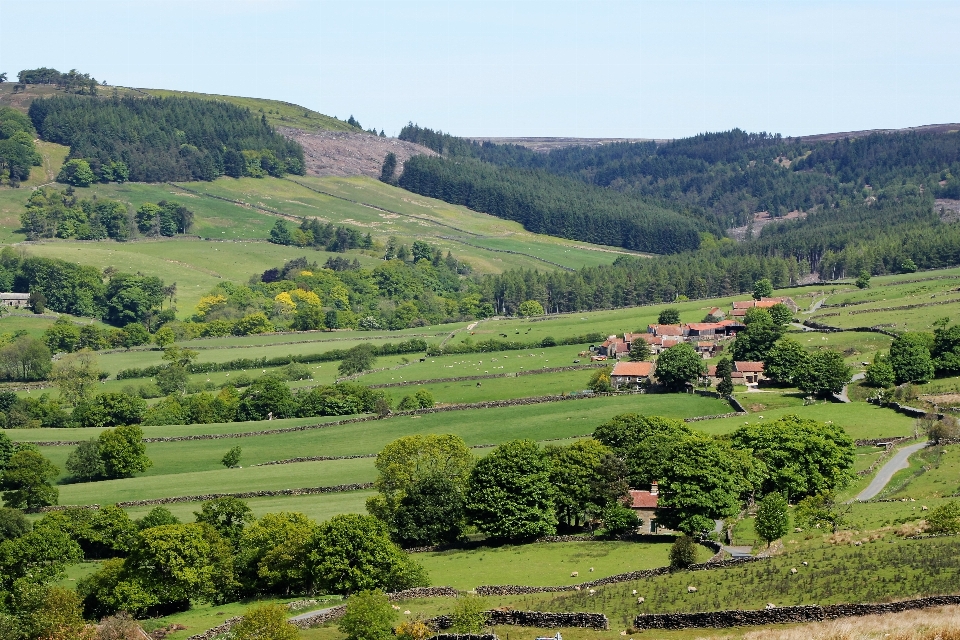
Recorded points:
(524, 68)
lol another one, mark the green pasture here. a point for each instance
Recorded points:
(320, 507)
(278, 113)
(284, 476)
(195, 266)
(332, 337)
(565, 419)
(24, 321)
(479, 364)
(858, 419)
(500, 388)
(543, 563)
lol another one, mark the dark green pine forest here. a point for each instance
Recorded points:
(160, 139)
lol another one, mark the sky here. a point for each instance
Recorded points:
(523, 68)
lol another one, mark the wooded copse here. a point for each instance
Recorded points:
(17, 151)
(552, 205)
(161, 139)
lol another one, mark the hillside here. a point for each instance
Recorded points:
(348, 153)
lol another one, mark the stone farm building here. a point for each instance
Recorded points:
(17, 300)
(631, 374)
(644, 504)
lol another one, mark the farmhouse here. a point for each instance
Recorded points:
(17, 300)
(631, 374)
(614, 347)
(751, 372)
(644, 504)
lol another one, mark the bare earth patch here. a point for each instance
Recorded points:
(339, 153)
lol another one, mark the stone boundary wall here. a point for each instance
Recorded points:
(904, 307)
(782, 615)
(872, 442)
(538, 619)
(465, 636)
(516, 590)
(732, 414)
(250, 494)
(913, 412)
(826, 328)
(579, 537)
(332, 613)
(736, 404)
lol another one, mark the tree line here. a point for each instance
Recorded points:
(726, 177)
(163, 139)
(17, 151)
(72, 81)
(553, 205)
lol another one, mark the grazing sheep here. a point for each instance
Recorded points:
(641, 600)
(770, 605)
(591, 569)
(805, 563)
(592, 592)
(577, 588)
(574, 574)
(797, 530)
(634, 592)
(923, 508)
(691, 589)
(407, 612)
(793, 570)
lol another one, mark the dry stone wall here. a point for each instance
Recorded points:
(250, 494)
(538, 619)
(783, 615)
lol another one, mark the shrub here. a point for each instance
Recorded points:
(683, 553)
(369, 616)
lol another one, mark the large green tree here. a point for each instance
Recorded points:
(679, 365)
(351, 553)
(910, 358)
(784, 360)
(824, 373)
(227, 515)
(26, 481)
(704, 482)
(644, 443)
(123, 452)
(587, 478)
(773, 517)
(754, 342)
(801, 457)
(410, 459)
(431, 512)
(272, 553)
(510, 495)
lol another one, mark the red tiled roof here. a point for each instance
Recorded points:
(748, 367)
(738, 313)
(704, 326)
(766, 303)
(712, 370)
(744, 304)
(649, 338)
(669, 330)
(705, 344)
(641, 369)
(728, 323)
(670, 341)
(643, 499)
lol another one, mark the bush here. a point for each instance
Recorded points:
(369, 616)
(469, 614)
(683, 553)
(618, 520)
(945, 518)
(231, 458)
(265, 622)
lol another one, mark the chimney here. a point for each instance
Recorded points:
(654, 490)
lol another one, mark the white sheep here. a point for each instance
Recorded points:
(641, 600)
(793, 570)
(592, 592)
(407, 612)
(691, 589)
(634, 592)
(574, 574)
(805, 563)
(591, 569)
(770, 605)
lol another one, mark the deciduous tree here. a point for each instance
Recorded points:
(510, 495)
(679, 365)
(773, 518)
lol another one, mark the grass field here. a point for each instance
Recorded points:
(934, 472)
(544, 563)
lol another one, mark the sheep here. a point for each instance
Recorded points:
(797, 530)
(592, 592)
(691, 589)
(805, 563)
(634, 592)
(641, 600)
(923, 508)
(770, 605)
(574, 574)
(793, 570)
(407, 612)
(591, 569)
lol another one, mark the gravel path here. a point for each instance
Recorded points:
(897, 462)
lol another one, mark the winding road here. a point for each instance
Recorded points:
(896, 463)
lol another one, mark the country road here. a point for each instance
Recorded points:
(897, 462)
